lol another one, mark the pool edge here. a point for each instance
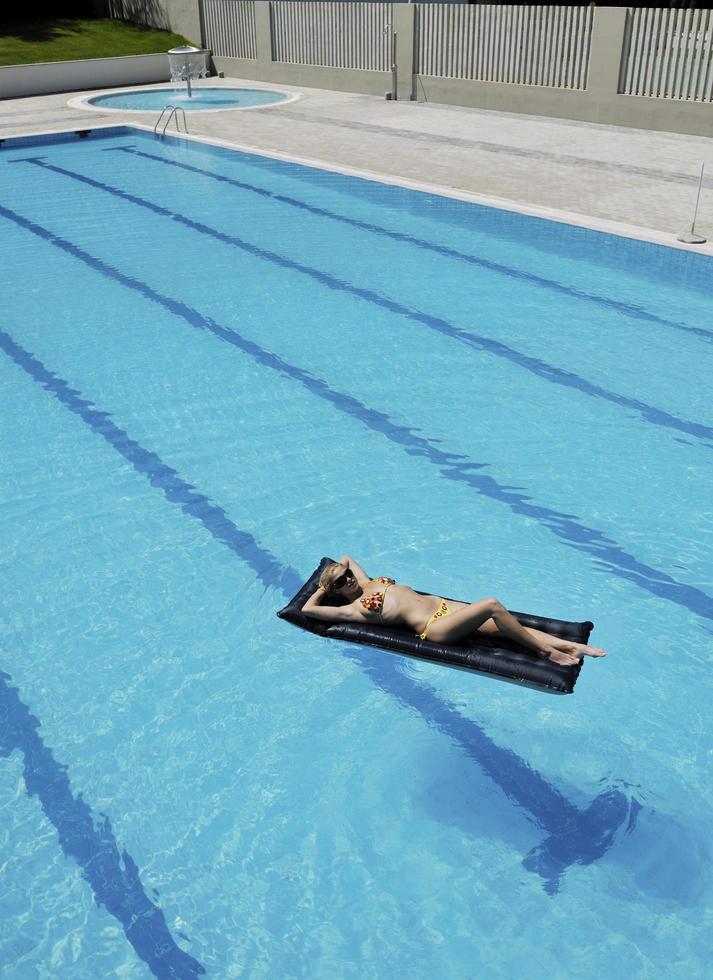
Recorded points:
(604, 225)
(84, 101)
(556, 215)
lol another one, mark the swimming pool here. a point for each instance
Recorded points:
(202, 98)
(217, 367)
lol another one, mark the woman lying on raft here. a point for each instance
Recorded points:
(381, 600)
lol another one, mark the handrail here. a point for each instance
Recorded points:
(175, 117)
(158, 121)
(173, 111)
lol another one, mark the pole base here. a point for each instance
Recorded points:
(690, 238)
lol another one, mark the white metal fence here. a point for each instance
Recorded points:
(525, 45)
(338, 35)
(230, 28)
(669, 54)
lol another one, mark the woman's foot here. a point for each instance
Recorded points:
(560, 656)
(581, 649)
(590, 651)
(546, 644)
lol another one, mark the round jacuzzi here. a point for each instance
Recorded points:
(202, 99)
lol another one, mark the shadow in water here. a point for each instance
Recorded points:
(111, 874)
(573, 835)
(583, 836)
(668, 860)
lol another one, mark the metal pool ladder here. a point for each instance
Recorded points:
(173, 113)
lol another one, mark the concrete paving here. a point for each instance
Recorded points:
(639, 178)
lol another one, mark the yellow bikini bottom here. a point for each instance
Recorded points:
(442, 610)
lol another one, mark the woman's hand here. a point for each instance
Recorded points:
(354, 566)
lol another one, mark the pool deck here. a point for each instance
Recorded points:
(637, 178)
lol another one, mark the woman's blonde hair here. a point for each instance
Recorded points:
(329, 575)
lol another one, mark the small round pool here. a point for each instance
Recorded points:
(154, 99)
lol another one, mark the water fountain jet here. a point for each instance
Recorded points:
(186, 63)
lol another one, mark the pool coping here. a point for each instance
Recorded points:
(573, 218)
(83, 101)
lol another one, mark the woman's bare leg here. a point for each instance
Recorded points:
(568, 646)
(467, 619)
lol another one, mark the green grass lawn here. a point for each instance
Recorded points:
(67, 39)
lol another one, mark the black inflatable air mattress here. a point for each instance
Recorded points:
(498, 657)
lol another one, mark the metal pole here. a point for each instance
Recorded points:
(394, 68)
(188, 78)
(690, 237)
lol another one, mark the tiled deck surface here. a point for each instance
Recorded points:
(636, 177)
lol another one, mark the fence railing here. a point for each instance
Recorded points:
(668, 54)
(230, 28)
(665, 53)
(524, 45)
(337, 35)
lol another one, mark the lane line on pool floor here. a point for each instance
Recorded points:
(627, 309)
(607, 554)
(110, 872)
(575, 836)
(541, 369)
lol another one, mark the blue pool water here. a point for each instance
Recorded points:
(216, 368)
(201, 98)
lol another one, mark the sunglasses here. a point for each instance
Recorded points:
(342, 580)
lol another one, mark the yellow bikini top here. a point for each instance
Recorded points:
(374, 602)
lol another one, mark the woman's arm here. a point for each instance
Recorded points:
(361, 576)
(332, 614)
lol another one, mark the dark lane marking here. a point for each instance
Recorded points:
(605, 552)
(628, 309)
(195, 504)
(540, 369)
(111, 874)
(574, 836)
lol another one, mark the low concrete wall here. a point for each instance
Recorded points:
(637, 112)
(17, 81)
